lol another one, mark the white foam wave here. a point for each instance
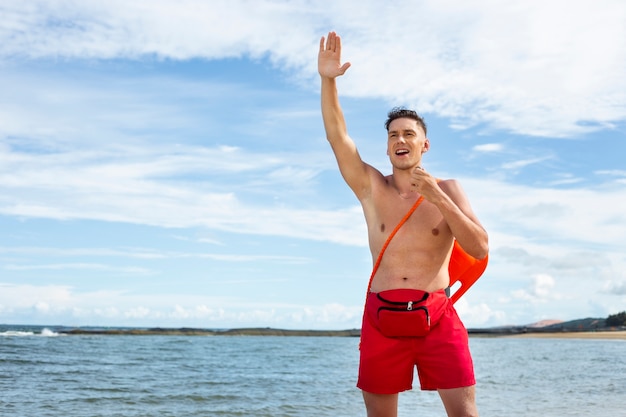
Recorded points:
(13, 333)
(45, 332)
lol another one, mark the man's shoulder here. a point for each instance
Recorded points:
(449, 182)
(376, 174)
(450, 186)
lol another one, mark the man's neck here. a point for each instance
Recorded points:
(401, 181)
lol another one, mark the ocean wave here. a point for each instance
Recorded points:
(45, 332)
(15, 333)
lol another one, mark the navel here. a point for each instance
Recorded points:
(435, 231)
(382, 227)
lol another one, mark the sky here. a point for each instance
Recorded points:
(165, 163)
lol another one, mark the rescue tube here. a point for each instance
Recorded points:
(464, 269)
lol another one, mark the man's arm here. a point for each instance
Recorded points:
(352, 167)
(454, 205)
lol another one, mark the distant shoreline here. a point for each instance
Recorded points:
(608, 334)
(267, 331)
(579, 329)
(261, 331)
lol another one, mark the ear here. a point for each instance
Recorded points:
(426, 146)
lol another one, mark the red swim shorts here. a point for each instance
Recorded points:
(442, 357)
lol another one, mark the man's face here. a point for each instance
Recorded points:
(406, 142)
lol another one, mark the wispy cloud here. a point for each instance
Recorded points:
(552, 213)
(614, 173)
(489, 147)
(81, 266)
(132, 253)
(522, 163)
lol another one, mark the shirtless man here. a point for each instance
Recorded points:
(416, 260)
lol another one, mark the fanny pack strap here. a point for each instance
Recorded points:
(391, 235)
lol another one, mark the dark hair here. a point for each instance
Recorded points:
(399, 112)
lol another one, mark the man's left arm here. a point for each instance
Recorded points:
(454, 205)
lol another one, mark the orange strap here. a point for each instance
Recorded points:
(391, 235)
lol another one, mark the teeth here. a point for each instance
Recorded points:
(401, 152)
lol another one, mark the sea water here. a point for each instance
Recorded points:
(45, 374)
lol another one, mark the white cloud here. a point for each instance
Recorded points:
(147, 185)
(47, 304)
(542, 68)
(479, 315)
(551, 214)
(615, 287)
(540, 290)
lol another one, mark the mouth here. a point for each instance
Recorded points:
(402, 152)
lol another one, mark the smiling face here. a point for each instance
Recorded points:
(406, 143)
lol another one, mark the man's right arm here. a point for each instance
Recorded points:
(352, 167)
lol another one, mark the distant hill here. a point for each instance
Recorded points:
(580, 325)
(544, 323)
(549, 326)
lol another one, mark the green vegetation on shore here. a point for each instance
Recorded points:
(618, 319)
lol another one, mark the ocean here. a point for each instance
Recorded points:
(43, 374)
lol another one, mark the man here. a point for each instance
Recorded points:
(414, 269)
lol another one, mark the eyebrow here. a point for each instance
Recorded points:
(403, 130)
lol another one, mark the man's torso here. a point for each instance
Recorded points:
(418, 255)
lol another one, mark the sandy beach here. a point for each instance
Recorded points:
(621, 335)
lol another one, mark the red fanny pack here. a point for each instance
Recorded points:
(406, 312)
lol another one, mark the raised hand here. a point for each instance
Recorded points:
(329, 58)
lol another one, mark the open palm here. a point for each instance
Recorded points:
(329, 58)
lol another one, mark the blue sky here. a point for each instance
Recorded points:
(164, 163)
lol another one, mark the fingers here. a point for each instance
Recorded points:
(330, 43)
(419, 176)
(330, 55)
(333, 43)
